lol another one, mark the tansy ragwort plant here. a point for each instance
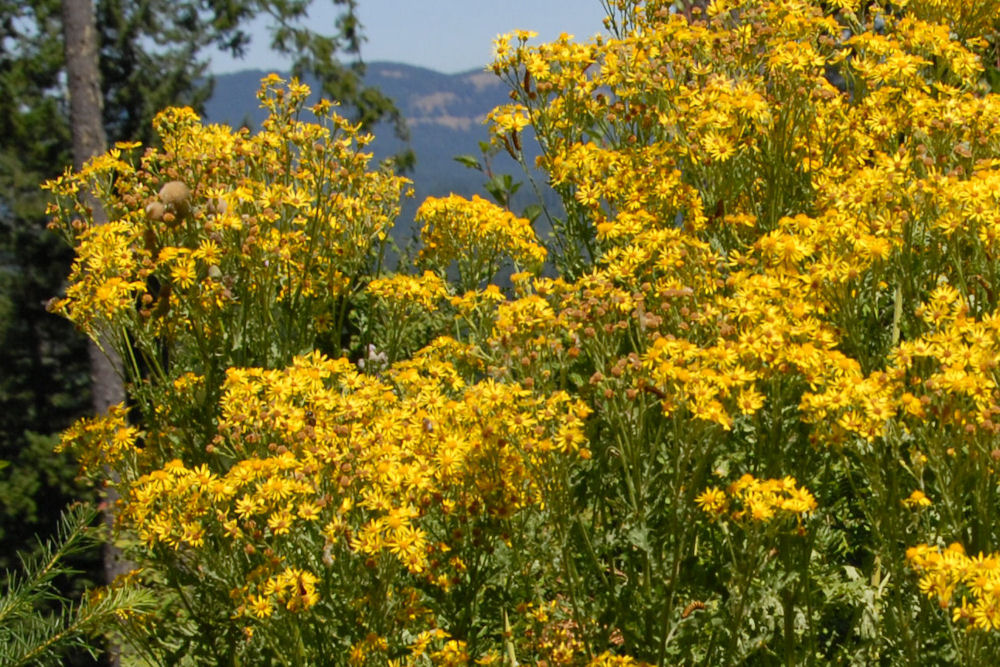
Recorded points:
(740, 423)
(223, 250)
(782, 218)
(271, 489)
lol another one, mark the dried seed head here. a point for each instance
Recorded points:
(217, 205)
(155, 210)
(174, 193)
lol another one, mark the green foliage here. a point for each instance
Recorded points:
(38, 624)
(34, 483)
(43, 370)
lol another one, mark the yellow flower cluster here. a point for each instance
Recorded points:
(105, 257)
(292, 588)
(452, 652)
(373, 466)
(426, 290)
(609, 660)
(943, 379)
(477, 235)
(101, 441)
(965, 19)
(758, 500)
(220, 231)
(970, 585)
(509, 118)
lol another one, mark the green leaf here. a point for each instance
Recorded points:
(469, 161)
(638, 536)
(532, 212)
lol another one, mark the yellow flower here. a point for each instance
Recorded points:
(280, 522)
(509, 118)
(917, 499)
(260, 606)
(713, 501)
(720, 148)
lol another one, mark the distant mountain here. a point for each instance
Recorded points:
(444, 112)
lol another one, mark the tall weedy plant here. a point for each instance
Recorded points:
(747, 415)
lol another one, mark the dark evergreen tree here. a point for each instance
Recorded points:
(43, 382)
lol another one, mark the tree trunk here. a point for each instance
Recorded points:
(82, 69)
(89, 139)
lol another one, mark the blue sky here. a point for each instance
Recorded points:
(445, 35)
